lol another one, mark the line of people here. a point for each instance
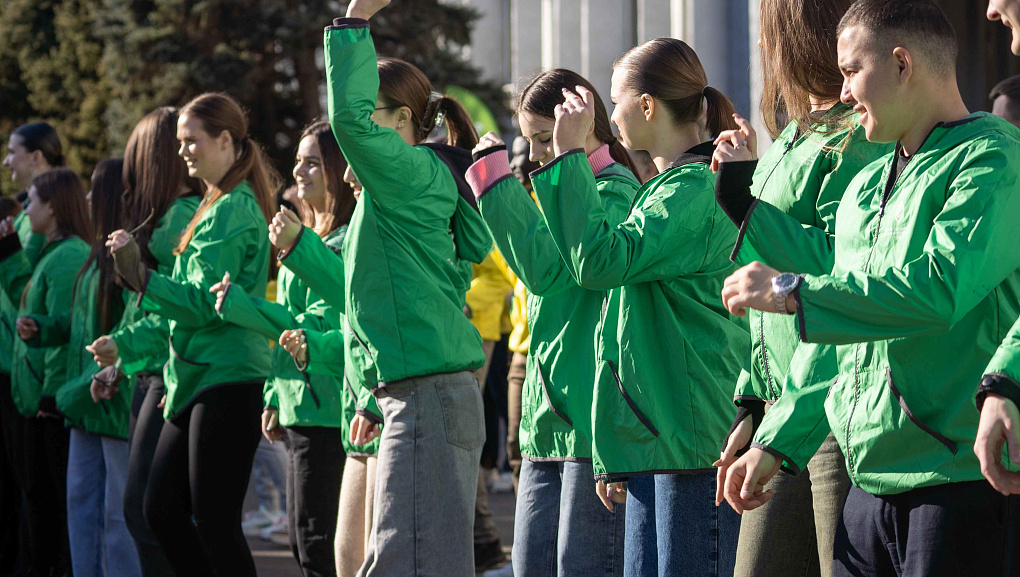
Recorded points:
(865, 345)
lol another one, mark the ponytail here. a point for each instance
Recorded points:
(718, 112)
(460, 130)
(218, 112)
(403, 84)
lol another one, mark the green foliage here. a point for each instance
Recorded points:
(93, 68)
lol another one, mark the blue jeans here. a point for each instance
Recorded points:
(96, 473)
(675, 529)
(561, 527)
(426, 478)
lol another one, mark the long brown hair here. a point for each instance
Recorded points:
(153, 175)
(798, 58)
(218, 112)
(545, 91)
(403, 84)
(64, 192)
(340, 199)
(669, 70)
(107, 195)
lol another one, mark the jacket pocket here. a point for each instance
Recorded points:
(35, 374)
(913, 418)
(179, 357)
(630, 402)
(548, 400)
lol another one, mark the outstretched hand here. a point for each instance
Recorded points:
(365, 9)
(221, 289)
(575, 120)
(293, 341)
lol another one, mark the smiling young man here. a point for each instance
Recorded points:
(922, 291)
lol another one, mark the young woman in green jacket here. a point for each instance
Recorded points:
(667, 351)
(405, 283)
(98, 456)
(56, 210)
(216, 370)
(301, 407)
(798, 182)
(560, 527)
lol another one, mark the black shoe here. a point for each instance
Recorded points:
(489, 556)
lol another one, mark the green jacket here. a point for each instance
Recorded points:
(802, 177)
(74, 330)
(32, 243)
(302, 398)
(923, 289)
(204, 350)
(36, 372)
(142, 337)
(667, 351)
(322, 270)
(562, 316)
(404, 275)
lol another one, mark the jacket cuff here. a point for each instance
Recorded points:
(285, 253)
(343, 23)
(145, 287)
(744, 224)
(372, 417)
(787, 464)
(486, 172)
(48, 404)
(600, 159)
(801, 322)
(476, 156)
(755, 409)
(554, 162)
(9, 246)
(999, 384)
(733, 189)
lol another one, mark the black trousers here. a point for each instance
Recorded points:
(45, 443)
(315, 465)
(145, 424)
(12, 555)
(947, 530)
(198, 479)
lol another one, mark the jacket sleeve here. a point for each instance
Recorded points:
(321, 269)
(391, 170)
(59, 287)
(796, 426)
(1006, 362)
(220, 244)
(270, 396)
(325, 352)
(267, 318)
(54, 330)
(15, 272)
(367, 406)
(665, 236)
(775, 238)
(970, 250)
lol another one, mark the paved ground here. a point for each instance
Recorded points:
(275, 560)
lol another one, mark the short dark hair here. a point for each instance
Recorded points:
(915, 24)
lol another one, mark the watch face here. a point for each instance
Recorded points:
(785, 283)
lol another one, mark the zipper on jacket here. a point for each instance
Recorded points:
(630, 402)
(890, 185)
(548, 400)
(913, 418)
(311, 391)
(357, 338)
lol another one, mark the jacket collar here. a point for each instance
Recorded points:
(698, 153)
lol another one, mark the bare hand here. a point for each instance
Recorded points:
(999, 427)
(488, 140)
(750, 287)
(293, 341)
(27, 328)
(365, 9)
(738, 440)
(575, 120)
(117, 240)
(46, 415)
(101, 392)
(104, 351)
(610, 493)
(221, 289)
(7, 227)
(746, 480)
(284, 229)
(271, 428)
(363, 431)
(162, 403)
(735, 145)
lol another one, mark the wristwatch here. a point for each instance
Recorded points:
(782, 285)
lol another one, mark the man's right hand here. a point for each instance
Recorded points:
(999, 427)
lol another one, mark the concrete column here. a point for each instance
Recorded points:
(608, 30)
(526, 40)
(489, 38)
(653, 19)
(755, 88)
(561, 34)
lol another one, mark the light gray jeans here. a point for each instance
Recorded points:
(426, 478)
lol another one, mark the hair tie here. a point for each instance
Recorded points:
(704, 91)
(612, 141)
(433, 115)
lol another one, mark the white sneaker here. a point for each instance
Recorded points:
(255, 521)
(277, 531)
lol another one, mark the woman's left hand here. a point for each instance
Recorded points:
(575, 120)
